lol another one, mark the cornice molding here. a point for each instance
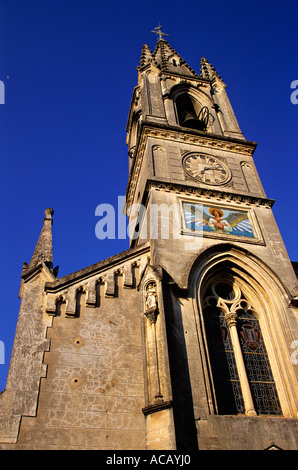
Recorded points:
(210, 194)
(243, 147)
(155, 407)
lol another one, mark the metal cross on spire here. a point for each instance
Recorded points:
(158, 31)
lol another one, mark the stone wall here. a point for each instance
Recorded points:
(89, 390)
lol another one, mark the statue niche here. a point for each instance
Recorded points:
(151, 302)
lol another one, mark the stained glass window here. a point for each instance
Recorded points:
(257, 365)
(227, 387)
(224, 371)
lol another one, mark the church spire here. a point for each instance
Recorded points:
(165, 58)
(43, 252)
(168, 60)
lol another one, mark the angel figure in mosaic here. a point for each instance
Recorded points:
(217, 222)
(213, 219)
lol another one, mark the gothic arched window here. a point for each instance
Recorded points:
(241, 373)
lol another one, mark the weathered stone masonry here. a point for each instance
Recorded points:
(180, 342)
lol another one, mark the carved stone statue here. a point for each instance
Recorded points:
(151, 307)
(151, 295)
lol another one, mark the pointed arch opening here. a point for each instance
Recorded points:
(242, 324)
(242, 379)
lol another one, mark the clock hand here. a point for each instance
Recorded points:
(208, 168)
(205, 169)
(215, 167)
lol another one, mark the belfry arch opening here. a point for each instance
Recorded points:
(190, 113)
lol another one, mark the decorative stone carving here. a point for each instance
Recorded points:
(231, 319)
(151, 303)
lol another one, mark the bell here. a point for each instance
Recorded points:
(187, 115)
(190, 120)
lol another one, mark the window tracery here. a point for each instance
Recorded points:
(242, 378)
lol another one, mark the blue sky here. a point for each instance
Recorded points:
(69, 68)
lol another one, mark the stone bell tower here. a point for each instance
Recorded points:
(186, 340)
(230, 291)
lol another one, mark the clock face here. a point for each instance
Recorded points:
(206, 169)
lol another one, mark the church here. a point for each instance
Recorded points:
(188, 339)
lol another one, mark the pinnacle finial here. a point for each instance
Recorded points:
(157, 30)
(44, 248)
(49, 212)
(207, 70)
